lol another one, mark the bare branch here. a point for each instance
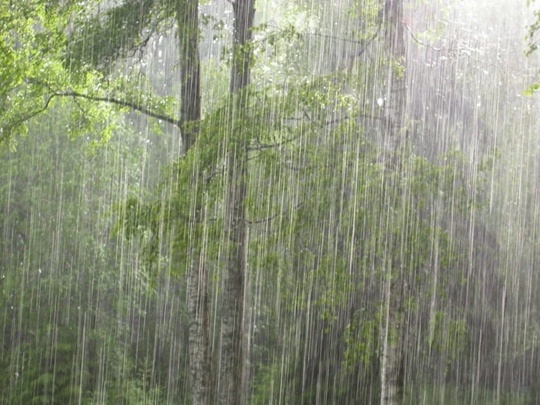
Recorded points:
(260, 221)
(123, 103)
(318, 34)
(104, 99)
(301, 169)
(420, 42)
(262, 146)
(32, 114)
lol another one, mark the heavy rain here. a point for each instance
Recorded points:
(269, 202)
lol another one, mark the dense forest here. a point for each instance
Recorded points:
(269, 202)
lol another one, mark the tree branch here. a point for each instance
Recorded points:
(420, 42)
(267, 219)
(260, 146)
(123, 103)
(32, 114)
(112, 100)
(319, 34)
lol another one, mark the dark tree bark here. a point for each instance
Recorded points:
(232, 379)
(187, 17)
(187, 14)
(396, 90)
(393, 330)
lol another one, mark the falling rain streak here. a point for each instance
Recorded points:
(271, 202)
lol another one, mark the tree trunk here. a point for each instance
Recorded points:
(393, 339)
(187, 18)
(393, 331)
(197, 280)
(396, 90)
(232, 380)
